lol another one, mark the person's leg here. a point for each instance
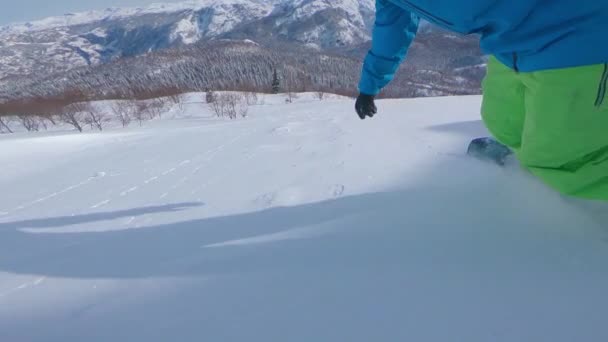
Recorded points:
(503, 108)
(565, 132)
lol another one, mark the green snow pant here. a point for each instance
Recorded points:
(556, 121)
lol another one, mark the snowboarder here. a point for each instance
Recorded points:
(545, 95)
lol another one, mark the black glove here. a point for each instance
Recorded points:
(365, 106)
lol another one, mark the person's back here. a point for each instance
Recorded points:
(545, 93)
(533, 35)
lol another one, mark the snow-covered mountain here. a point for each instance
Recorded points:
(78, 39)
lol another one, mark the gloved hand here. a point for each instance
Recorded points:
(365, 106)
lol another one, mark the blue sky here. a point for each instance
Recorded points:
(26, 10)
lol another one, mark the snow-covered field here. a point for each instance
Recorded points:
(299, 223)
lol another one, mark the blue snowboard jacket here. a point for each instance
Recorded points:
(526, 35)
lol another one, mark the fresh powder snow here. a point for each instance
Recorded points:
(297, 223)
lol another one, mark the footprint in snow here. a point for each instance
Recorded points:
(337, 190)
(266, 200)
(283, 129)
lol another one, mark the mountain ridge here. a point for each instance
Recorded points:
(39, 54)
(60, 43)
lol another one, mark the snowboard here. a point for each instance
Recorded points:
(488, 149)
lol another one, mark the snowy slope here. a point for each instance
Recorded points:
(300, 223)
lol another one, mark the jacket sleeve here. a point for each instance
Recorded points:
(394, 30)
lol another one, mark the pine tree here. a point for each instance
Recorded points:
(276, 83)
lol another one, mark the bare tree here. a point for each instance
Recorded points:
(242, 106)
(209, 96)
(72, 114)
(143, 111)
(290, 87)
(156, 107)
(178, 100)
(30, 122)
(218, 106)
(4, 125)
(94, 116)
(251, 97)
(236, 105)
(231, 105)
(149, 109)
(124, 111)
(45, 120)
(51, 118)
